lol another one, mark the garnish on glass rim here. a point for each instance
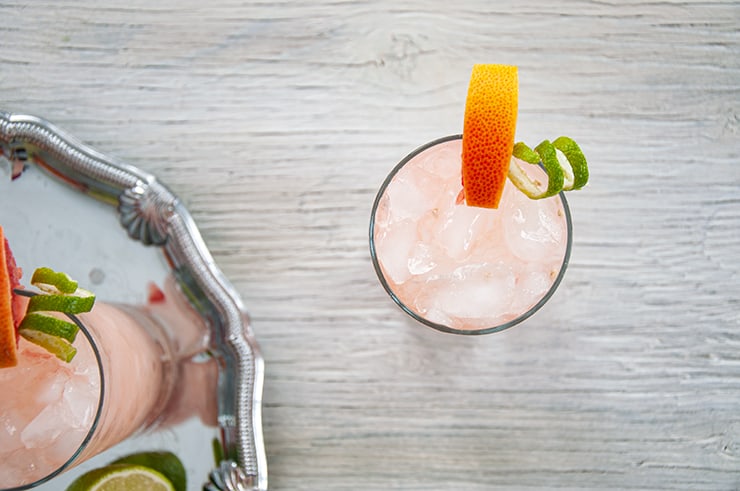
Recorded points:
(488, 144)
(50, 281)
(562, 160)
(40, 327)
(59, 293)
(54, 344)
(8, 281)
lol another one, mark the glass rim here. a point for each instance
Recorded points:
(98, 411)
(441, 327)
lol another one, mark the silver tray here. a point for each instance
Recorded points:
(153, 216)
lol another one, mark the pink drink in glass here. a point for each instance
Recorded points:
(458, 268)
(132, 373)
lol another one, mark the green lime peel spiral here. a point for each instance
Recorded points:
(50, 281)
(61, 294)
(563, 161)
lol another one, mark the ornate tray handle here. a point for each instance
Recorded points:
(153, 215)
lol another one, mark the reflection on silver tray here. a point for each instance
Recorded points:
(151, 215)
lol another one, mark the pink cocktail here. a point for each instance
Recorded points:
(458, 268)
(132, 372)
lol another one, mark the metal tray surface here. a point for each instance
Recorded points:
(153, 216)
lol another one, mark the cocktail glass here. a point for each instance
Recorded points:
(461, 269)
(131, 374)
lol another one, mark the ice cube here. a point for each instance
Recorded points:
(80, 402)
(427, 225)
(444, 162)
(421, 259)
(50, 390)
(438, 317)
(382, 215)
(393, 249)
(12, 421)
(482, 290)
(457, 232)
(412, 193)
(532, 285)
(531, 232)
(43, 429)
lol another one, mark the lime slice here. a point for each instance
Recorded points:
(48, 280)
(166, 463)
(53, 344)
(50, 325)
(121, 477)
(81, 301)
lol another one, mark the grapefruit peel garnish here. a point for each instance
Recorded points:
(489, 155)
(489, 125)
(60, 294)
(8, 281)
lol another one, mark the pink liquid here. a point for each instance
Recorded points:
(149, 380)
(47, 410)
(462, 268)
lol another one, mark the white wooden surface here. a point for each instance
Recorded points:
(276, 122)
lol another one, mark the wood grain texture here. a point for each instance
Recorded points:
(276, 122)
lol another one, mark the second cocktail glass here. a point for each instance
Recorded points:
(131, 374)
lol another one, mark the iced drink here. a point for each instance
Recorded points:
(137, 374)
(460, 268)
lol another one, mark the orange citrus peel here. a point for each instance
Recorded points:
(488, 144)
(488, 133)
(8, 339)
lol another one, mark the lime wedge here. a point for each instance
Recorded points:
(50, 281)
(50, 325)
(81, 301)
(55, 345)
(166, 463)
(121, 477)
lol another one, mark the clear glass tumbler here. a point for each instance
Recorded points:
(136, 369)
(462, 269)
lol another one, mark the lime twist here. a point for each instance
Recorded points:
(62, 295)
(52, 326)
(50, 281)
(562, 160)
(53, 344)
